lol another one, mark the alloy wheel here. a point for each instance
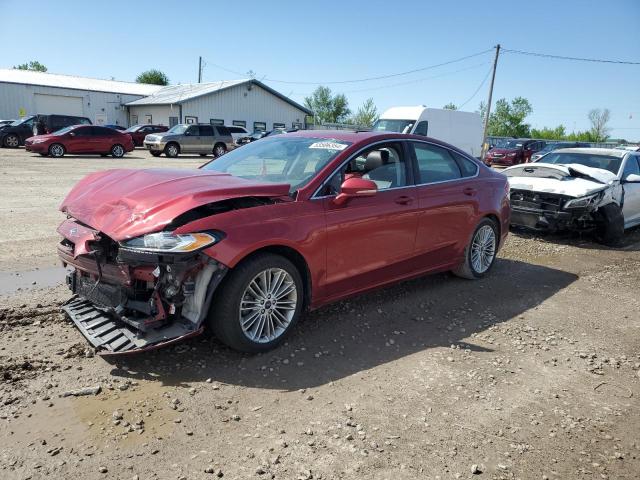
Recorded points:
(172, 150)
(268, 305)
(483, 249)
(56, 150)
(117, 151)
(12, 141)
(219, 151)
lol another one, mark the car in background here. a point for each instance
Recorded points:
(14, 134)
(237, 132)
(85, 139)
(550, 146)
(44, 124)
(513, 152)
(138, 132)
(116, 127)
(6, 122)
(203, 139)
(578, 189)
(249, 241)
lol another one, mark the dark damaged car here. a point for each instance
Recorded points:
(578, 189)
(247, 242)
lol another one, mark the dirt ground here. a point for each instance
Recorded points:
(531, 373)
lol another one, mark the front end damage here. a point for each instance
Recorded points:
(126, 300)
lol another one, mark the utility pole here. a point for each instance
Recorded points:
(486, 118)
(200, 71)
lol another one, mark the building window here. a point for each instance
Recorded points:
(259, 126)
(297, 125)
(134, 119)
(216, 121)
(239, 123)
(148, 119)
(190, 120)
(279, 125)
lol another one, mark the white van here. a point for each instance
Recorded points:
(460, 129)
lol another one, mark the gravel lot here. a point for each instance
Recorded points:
(531, 373)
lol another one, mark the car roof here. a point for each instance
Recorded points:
(611, 152)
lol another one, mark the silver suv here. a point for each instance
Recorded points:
(184, 138)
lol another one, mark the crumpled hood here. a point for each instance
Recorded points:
(127, 203)
(561, 179)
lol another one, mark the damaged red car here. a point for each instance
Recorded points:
(249, 241)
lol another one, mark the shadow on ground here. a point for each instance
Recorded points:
(630, 241)
(353, 336)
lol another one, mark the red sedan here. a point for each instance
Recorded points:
(138, 132)
(81, 139)
(247, 242)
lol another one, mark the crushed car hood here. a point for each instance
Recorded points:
(572, 180)
(127, 203)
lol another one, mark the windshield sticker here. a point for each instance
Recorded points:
(328, 146)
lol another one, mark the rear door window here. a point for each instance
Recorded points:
(435, 164)
(468, 167)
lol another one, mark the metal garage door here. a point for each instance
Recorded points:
(60, 104)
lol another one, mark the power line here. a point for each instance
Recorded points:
(477, 89)
(561, 57)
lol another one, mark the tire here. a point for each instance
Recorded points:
(172, 150)
(203, 154)
(104, 155)
(226, 316)
(117, 151)
(156, 154)
(477, 264)
(610, 228)
(44, 154)
(219, 149)
(56, 150)
(11, 141)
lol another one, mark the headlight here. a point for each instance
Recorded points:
(38, 140)
(583, 202)
(171, 243)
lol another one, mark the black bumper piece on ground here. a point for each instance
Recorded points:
(98, 327)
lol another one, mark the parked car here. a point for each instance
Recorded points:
(203, 139)
(578, 189)
(247, 242)
(14, 134)
(44, 124)
(81, 139)
(138, 132)
(549, 147)
(6, 122)
(514, 152)
(257, 135)
(116, 127)
(237, 132)
(461, 129)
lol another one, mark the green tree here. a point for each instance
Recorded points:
(154, 77)
(366, 115)
(507, 119)
(599, 120)
(33, 65)
(326, 107)
(546, 133)
(450, 106)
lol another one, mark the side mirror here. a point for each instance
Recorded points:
(354, 188)
(187, 133)
(632, 178)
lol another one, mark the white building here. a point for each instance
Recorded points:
(247, 103)
(24, 93)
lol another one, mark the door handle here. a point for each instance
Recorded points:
(403, 200)
(469, 191)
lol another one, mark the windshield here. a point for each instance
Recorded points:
(604, 162)
(64, 130)
(21, 121)
(279, 159)
(133, 128)
(397, 126)
(512, 144)
(178, 129)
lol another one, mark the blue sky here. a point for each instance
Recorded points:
(342, 40)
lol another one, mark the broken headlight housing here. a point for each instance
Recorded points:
(584, 202)
(169, 242)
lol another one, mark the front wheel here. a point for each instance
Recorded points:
(258, 304)
(56, 150)
(11, 141)
(172, 150)
(480, 254)
(117, 151)
(610, 228)
(219, 150)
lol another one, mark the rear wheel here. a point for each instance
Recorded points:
(480, 254)
(219, 149)
(56, 150)
(172, 150)
(11, 141)
(117, 151)
(258, 304)
(610, 228)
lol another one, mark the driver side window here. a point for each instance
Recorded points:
(631, 167)
(384, 164)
